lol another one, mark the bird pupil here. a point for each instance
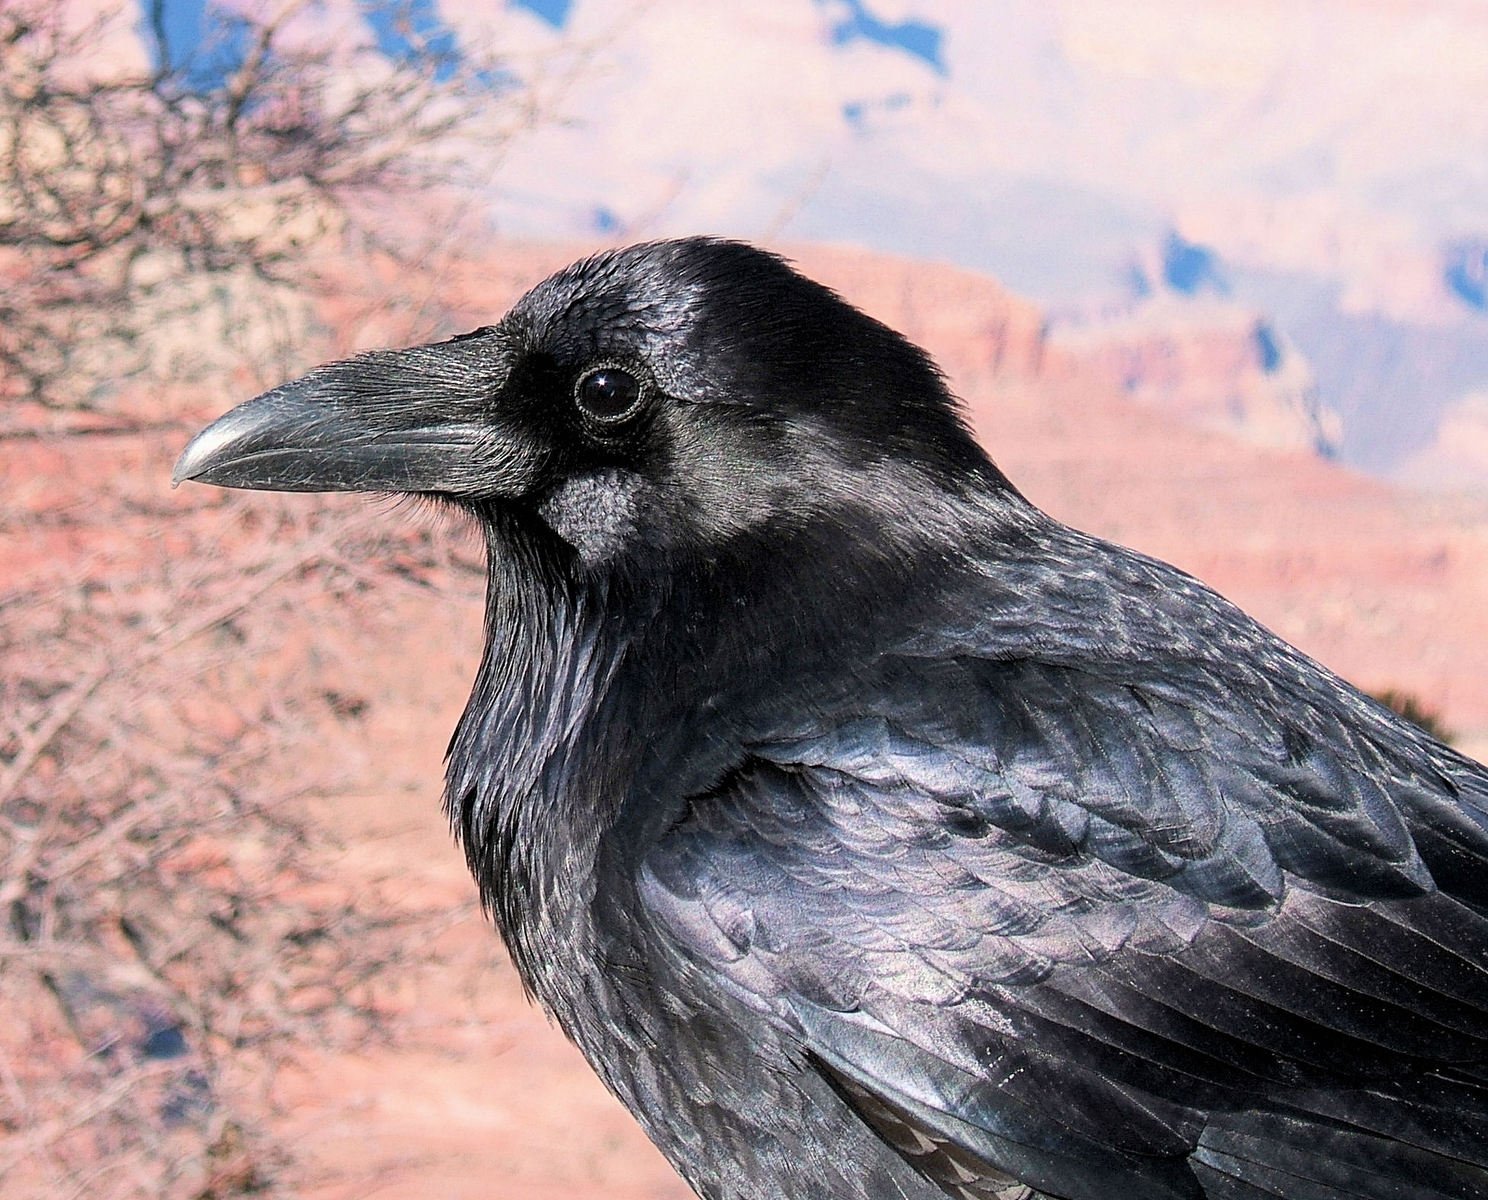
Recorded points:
(608, 393)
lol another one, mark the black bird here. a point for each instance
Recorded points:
(874, 834)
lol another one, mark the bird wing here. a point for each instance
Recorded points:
(1099, 936)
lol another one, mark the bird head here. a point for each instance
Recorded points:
(646, 401)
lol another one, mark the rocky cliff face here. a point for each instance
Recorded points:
(985, 329)
(1215, 365)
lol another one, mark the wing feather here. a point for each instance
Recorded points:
(1057, 931)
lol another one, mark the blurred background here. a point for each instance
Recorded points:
(1211, 278)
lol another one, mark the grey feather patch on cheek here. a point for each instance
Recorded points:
(595, 513)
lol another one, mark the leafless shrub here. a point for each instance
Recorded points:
(168, 938)
(158, 221)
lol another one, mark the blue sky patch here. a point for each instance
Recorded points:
(554, 12)
(205, 45)
(412, 31)
(201, 44)
(918, 39)
(858, 113)
(1466, 274)
(1189, 267)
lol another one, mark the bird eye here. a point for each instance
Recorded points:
(608, 394)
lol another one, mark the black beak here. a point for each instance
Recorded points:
(418, 420)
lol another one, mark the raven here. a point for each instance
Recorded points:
(871, 832)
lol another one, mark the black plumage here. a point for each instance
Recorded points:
(873, 833)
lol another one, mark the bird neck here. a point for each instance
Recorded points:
(527, 793)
